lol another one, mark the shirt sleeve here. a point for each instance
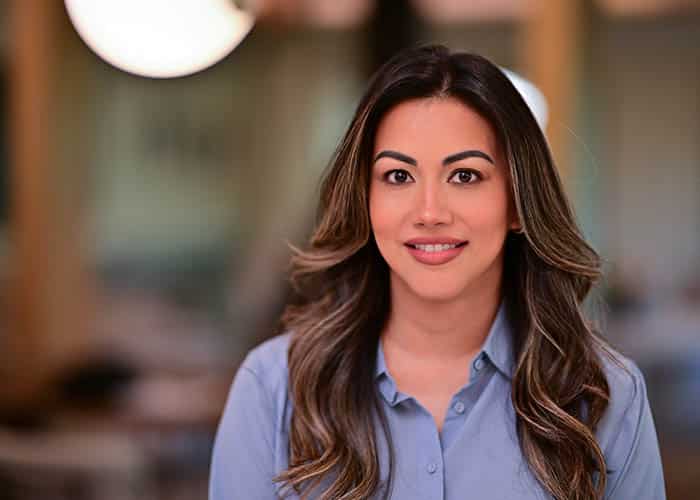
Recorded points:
(243, 457)
(641, 474)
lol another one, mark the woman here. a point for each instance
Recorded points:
(439, 350)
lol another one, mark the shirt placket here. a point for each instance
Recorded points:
(465, 399)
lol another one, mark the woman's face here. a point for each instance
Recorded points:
(439, 177)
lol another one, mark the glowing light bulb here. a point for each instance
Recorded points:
(160, 38)
(533, 96)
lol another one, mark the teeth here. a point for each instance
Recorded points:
(435, 248)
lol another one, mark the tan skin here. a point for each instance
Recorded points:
(440, 314)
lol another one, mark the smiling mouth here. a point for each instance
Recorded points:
(436, 247)
(434, 254)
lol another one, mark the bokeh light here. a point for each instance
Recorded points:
(160, 38)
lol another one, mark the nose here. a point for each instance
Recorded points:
(432, 207)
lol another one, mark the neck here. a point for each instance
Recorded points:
(440, 332)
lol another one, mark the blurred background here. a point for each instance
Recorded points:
(142, 221)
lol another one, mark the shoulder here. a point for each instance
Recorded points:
(250, 446)
(628, 413)
(268, 362)
(627, 388)
(625, 379)
(258, 393)
(627, 434)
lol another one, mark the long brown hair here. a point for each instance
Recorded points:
(559, 389)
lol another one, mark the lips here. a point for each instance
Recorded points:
(434, 258)
(435, 241)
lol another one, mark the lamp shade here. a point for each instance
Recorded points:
(160, 38)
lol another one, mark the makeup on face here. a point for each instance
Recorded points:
(435, 254)
(435, 251)
(474, 174)
(462, 155)
(438, 197)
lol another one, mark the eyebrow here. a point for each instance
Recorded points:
(470, 153)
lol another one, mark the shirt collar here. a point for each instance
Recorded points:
(497, 348)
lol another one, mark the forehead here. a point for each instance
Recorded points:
(435, 125)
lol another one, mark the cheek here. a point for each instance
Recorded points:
(386, 219)
(485, 212)
(384, 214)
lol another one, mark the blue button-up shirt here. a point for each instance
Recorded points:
(476, 455)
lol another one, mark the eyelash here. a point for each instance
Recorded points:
(475, 173)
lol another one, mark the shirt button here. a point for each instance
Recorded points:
(459, 407)
(478, 364)
(432, 468)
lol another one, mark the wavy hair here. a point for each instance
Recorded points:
(559, 389)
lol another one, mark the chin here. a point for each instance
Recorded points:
(435, 289)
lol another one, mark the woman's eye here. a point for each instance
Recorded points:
(397, 176)
(402, 177)
(467, 176)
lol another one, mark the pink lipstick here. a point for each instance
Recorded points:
(435, 251)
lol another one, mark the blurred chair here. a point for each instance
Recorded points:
(72, 466)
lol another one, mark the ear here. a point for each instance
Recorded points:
(516, 227)
(514, 224)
